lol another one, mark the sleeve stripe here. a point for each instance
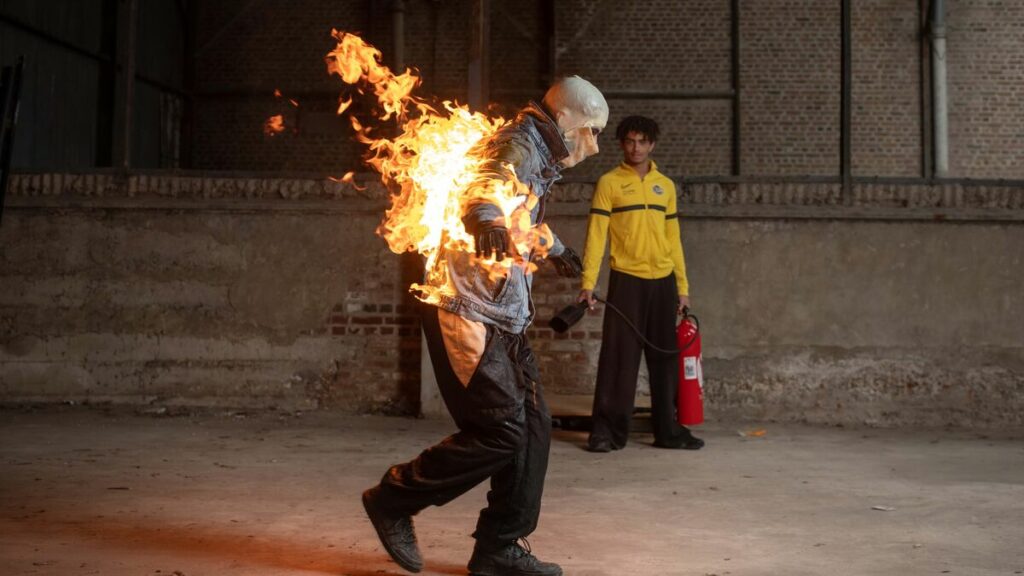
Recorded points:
(600, 212)
(670, 216)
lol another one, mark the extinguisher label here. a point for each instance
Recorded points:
(690, 367)
(700, 373)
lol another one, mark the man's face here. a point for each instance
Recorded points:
(582, 143)
(580, 137)
(636, 148)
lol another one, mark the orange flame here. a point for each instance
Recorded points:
(350, 179)
(274, 125)
(431, 167)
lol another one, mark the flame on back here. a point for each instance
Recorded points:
(430, 166)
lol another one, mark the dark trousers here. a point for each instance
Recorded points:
(651, 307)
(504, 434)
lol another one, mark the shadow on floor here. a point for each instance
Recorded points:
(189, 540)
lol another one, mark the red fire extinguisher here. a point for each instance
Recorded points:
(691, 375)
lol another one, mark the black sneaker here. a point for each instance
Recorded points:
(599, 445)
(510, 560)
(396, 534)
(685, 441)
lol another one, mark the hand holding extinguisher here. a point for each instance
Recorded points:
(690, 402)
(690, 407)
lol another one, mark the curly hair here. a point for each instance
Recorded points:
(641, 124)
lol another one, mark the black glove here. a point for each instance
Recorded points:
(568, 263)
(490, 238)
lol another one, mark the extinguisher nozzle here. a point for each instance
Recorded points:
(568, 316)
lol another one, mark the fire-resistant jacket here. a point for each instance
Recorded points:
(642, 217)
(531, 145)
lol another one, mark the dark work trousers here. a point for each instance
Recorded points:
(651, 306)
(504, 434)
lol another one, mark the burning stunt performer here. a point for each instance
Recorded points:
(486, 371)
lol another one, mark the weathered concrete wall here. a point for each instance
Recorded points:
(898, 306)
(130, 292)
(886, 314)
(867, 321)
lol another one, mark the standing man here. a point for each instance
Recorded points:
(485, 369)
(637, 204)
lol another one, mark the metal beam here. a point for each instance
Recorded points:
(734, 16)
(845, 148)
(52, 39)
(635, 94)
(106, 85)
(925, 62)
(10, 95)
(190, 25)
(104, 56)
(398, 36)
(550, 54)
(127, 33)
(479, 49)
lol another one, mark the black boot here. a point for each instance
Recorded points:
(509, 560)
(395, 533)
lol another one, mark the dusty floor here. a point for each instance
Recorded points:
(88, 492)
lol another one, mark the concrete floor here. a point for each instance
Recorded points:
(115, 493)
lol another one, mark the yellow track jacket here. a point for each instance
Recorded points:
(644, 224)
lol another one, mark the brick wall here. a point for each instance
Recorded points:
(886, 91)
(638, 46)
(790, 79)
(315, 139)
(695, 137)
(383, 373)
(986, 88)
(245, 53)
(519, 49)
(790, 87)
(655, 45)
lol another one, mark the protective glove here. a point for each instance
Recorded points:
(490, 238)
(568, 263)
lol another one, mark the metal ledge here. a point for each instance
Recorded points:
(1000, 201)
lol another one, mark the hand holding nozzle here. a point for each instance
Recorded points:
(568, 316)
(572, 313)
(588, 297)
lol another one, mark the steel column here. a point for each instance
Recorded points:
(845, 148)
(734, 15)
(10, 93)
(127, 33)
(479, 49)
(927, 167)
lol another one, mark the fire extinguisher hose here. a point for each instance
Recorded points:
(686, 316)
